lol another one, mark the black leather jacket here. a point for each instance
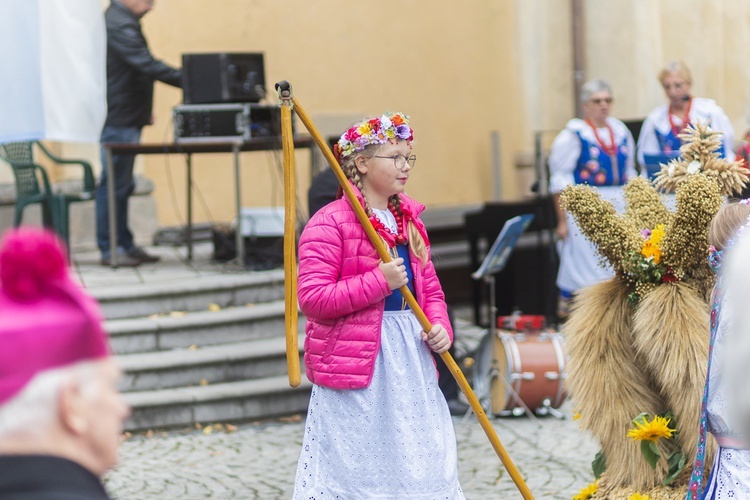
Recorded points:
(131, 70)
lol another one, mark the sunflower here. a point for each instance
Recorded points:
(587, 492)
(651, 431)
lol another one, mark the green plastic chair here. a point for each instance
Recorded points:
(33, 186)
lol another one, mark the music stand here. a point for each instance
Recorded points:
(494, 262)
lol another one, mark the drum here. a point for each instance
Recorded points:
(513, 366)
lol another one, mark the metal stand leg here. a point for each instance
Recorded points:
(546, 409)
(189, 229)
(239, 240)
(518, 400)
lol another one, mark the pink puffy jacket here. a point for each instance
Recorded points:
(342, 292)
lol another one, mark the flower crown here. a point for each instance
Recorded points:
(375, 131)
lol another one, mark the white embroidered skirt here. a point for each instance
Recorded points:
(730, 475)
(392, 440)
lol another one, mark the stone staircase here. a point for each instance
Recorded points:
(205, 350)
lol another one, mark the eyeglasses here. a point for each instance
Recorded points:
(400, 161)
(600, 100)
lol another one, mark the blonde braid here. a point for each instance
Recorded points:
(350, 169)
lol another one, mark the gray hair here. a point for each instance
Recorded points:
(35, 407)
(592, 87)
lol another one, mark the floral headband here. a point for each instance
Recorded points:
(374, 131)
(715, 257)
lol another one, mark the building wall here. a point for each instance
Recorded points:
(462, 70)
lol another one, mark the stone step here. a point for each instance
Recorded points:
(173, 331)
(233, 401)
(196, 294)
(257, 359)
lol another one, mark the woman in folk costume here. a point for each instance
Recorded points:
(662, 127)
(378, 425)
(730, 475)
(597, 150)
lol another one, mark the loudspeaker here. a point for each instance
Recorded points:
(223, 77)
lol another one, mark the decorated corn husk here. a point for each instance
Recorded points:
(614, 236)
(608, 386)
(686, 237)
(699, 153)
(609, 492)
(653, 348)
(675, 317)
(644, 205)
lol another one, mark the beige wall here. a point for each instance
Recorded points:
(460, 69)
(444, 65)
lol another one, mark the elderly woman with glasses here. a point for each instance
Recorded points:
(597, 150)
(659, 134)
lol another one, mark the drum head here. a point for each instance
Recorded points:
(490, 364)
(482, 377)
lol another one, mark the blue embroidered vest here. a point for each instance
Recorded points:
(669, 142)
(395, 301)
(595, 166)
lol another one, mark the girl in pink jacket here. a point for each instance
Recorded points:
(377, 425)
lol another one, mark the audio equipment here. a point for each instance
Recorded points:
(225, 77)
(196, 123)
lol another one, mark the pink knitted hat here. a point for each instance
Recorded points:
(46, 320)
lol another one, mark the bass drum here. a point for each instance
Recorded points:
(525, 366)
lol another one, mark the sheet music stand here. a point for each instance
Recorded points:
(494, 262)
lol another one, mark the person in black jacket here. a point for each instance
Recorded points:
(131, 72)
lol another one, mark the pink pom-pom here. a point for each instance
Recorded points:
(30, 258)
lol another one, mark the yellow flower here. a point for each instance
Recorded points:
(651, 250)
(587, 492)
(576, 415)
(657, 234)
(651, 431)
(638, 496)
(364, 129)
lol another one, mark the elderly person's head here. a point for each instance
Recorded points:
(596, 100)
(58, 381)
(676, 81)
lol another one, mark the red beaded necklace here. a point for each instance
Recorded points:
(385, 233)
(611, 149)
(685, 119)
(399, 224)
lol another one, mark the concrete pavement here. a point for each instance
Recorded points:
(258, 460)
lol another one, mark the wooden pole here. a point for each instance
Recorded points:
(290, 242)
(416, 309)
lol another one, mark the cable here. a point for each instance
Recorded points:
(170, 182)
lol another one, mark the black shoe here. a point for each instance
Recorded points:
(123, 260)
(141, 255)
(457, 408)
